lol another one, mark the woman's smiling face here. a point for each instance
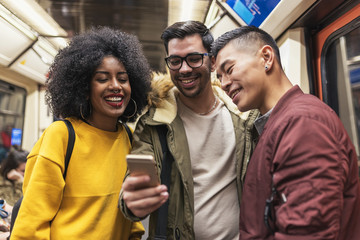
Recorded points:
(110, 91)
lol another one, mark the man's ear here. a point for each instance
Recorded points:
(268, 55)
(212, 59)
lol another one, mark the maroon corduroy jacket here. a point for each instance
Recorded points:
(306, 150)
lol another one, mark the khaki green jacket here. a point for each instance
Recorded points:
(163, 110)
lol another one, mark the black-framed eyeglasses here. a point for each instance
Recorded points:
(193, 60)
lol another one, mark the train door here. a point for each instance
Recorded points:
(12, 111)
(337, 64)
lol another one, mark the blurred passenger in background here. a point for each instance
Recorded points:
(6, 136)
(12, 174)
(13, 166)
(302, 179)
(5, 142)
(99, 82)
(208, 138)
(5, 218)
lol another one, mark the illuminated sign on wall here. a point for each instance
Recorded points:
(253, 12)
(16, 134)
(355, 76)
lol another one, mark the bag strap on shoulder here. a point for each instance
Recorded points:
(69, 150)
(70, 145)
(128, 132)
(165, 176)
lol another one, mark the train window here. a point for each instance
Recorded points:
(12, 109)
(341, 77)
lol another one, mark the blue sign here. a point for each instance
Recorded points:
(253, 12)
(355, 76)
(16, 135)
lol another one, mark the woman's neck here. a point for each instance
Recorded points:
(108, 125)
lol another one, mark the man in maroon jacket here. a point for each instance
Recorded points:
(302, 180)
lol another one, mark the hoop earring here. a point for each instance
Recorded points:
(81, 110)
(134, 111)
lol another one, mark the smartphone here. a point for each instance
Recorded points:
(141, 165)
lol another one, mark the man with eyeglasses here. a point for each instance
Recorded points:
(208, 138)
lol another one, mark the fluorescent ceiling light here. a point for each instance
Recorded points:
(14, 21)
(59, 42)
(212, 14)
(47, 46)
(186, 10)
(35, 16)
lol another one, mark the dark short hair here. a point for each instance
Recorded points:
(68, 84)
(249, 35)
(187, 28)
(12, 161)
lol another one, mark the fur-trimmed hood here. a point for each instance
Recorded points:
(163, 111)
(162, 98)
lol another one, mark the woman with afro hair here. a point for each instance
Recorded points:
(99, 82)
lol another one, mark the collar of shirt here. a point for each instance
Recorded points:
(261, 121)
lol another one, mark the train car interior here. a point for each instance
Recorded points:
(318, 41)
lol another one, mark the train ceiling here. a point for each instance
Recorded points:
(144, 18)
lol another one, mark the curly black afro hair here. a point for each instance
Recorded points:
(68, 84)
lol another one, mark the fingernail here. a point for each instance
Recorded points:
(165, 194)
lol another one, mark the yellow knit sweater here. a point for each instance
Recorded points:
(87, 207)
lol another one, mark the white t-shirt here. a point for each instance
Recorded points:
(211, 140)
